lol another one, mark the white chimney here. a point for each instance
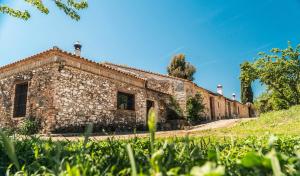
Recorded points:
(220, 89)
(233, 96)
(77, 47)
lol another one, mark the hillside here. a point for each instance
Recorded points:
(284, 122)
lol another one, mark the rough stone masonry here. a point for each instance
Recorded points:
(65, 92)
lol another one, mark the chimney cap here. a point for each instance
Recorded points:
(77, 45)
(219, 86)
(233, 96)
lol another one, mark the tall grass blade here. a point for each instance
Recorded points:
(152, 128)
(132, 161)
(10, 149)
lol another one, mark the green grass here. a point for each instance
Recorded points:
(284, 122)
(269, 145)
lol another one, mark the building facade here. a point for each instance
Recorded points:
(65, 92)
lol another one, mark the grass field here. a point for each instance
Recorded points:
(285, 122)
(269, 145)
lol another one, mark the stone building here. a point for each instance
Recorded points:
(66, 92)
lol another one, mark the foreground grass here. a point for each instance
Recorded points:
(248, 148)
(176, 156)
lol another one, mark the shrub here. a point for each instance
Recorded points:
(195, 108)
(7, 131)
(173, 110)
(29, 126)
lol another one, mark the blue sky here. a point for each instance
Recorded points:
(215, 35)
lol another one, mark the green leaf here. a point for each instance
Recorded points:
(251, 159)
(10, 149)
(132, 161)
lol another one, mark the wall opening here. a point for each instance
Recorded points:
(125, 101)
(229, 109)
(20, 100)
(150, 104)
(212, 108)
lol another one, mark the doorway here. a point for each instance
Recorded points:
(150, 104)
(212, 108)
(229, 110)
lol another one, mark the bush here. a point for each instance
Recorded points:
(29, 126)
(7, 131)
(195, 108)
(268, 101)
(173, 110)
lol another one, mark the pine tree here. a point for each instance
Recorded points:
(180, 68)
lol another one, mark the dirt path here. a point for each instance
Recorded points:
(176, 133)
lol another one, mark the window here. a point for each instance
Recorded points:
(20, 100)
(125, 101)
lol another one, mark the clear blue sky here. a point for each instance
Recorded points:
(215, 35)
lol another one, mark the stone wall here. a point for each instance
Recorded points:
(161, 83)
(216, 106)
(66, 93)
(82, 98)
(40, 93)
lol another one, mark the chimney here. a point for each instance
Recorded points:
(220, 89)
(77, 47)
(233, 96)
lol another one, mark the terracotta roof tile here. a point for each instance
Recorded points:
(56, 49)
(167, 76)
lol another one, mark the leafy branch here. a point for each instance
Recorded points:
(69, 7)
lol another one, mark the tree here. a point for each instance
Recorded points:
(247, 75)
(70, 8)
(279, 71)
(195, 107)
(180, 68)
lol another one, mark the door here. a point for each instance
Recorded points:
(229, 110)
(212, 108)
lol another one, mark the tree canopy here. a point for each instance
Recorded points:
(279, 71)
(180, 68)
(70, 8)
(246, 78)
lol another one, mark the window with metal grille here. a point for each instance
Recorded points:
(125, 101)
(20, 99)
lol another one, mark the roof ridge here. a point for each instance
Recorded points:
(55, 48)
(209, 91)
(146, 71)
(106, 65)
(28, 58)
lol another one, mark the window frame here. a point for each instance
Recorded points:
(15, 106)
(131, 95)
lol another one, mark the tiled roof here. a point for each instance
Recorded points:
(145, 71)
(167, 76)
(107, 65)
(56, 49)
